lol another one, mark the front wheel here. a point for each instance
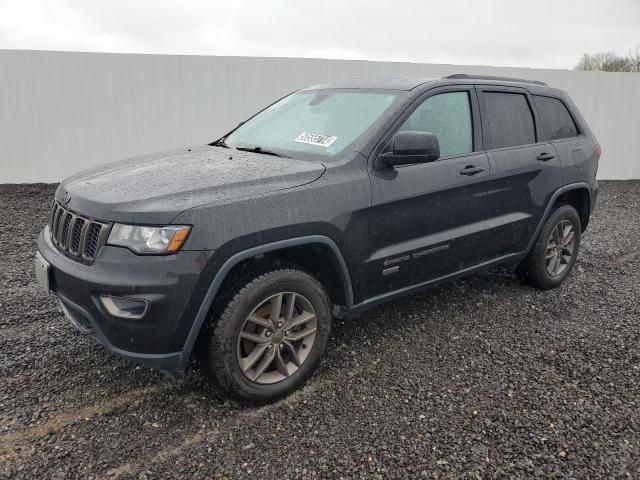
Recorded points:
(555, 251)
(269, 337)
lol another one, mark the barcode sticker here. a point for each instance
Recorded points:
(315, 139)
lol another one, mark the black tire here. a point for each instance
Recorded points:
(533, 268)
(219, 352)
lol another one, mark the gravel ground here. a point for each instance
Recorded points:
(480, 378)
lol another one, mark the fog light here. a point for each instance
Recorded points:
(125, 307)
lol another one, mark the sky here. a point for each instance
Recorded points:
(539, 33)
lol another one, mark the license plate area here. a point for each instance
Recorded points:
(43, 272)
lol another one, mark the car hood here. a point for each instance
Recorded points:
(155, 188)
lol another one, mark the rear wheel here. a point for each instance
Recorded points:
(270, 336)
(555, 251)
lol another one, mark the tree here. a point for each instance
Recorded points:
(588, 62)
(611, 62)
(633, 58)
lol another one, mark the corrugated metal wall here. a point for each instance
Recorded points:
(61, 112)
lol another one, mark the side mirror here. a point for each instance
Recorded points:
(411, 147)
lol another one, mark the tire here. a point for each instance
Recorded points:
(226, 353)
(538, 267)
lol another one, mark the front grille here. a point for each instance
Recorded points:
(75, 235)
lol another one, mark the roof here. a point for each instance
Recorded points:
(389, 83)
(408, 83)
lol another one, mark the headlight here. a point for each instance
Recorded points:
(149, 240)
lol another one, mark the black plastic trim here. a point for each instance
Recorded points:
(552, 201)
(205, 306)
(168, 362)
(369, 303)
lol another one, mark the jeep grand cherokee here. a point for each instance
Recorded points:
(328, 202)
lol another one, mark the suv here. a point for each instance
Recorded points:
(330, 201)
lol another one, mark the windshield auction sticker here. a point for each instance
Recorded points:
(315, 139)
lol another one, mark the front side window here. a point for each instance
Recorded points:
(320, 122)
(510, 119)
(556, 119)
(448, 116)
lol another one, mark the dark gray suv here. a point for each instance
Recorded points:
(328, 202)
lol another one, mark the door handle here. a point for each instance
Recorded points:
(545, 156)
(471, 170)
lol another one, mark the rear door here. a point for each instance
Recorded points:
(426, 219)
(574, 148)
(525, 168)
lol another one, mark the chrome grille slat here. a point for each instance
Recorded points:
(55, 228)
(77, 236)
(64, 231)
(54, 209)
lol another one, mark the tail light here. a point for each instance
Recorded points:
(598, 151)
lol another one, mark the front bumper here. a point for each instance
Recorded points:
(168, 282)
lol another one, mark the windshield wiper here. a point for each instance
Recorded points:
(220, 143)
(263, 151)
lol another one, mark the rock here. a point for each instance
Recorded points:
(480, 449)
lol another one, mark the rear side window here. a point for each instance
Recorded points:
(556, 119)
(510, 119)
(448, 116)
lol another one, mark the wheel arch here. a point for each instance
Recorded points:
(576, 192)
(291, 250)
(580, 199)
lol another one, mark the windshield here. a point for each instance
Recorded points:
(322, 122)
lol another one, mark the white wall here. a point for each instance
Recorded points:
(61, 112)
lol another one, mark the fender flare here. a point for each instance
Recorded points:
(551, 203)
(232, 261)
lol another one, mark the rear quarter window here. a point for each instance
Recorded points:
(509, 119)
(556, 120)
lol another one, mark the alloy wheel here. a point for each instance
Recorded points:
(560, 248)
(276, 338)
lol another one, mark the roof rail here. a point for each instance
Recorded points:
(491, 77)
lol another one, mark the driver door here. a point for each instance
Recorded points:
(428, 219)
